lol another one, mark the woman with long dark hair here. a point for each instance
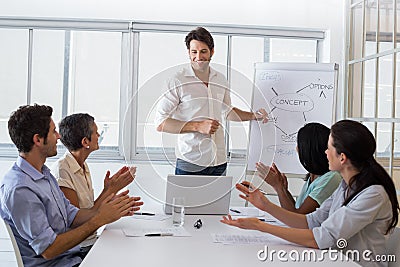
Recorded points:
(320, 182)
(362, 210)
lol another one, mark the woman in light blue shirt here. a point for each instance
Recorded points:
(320, 182)
(356, 217)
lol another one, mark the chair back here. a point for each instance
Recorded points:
(393, 247)
(15, 245)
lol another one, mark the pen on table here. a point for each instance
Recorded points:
(144, 213)
(160, 234)
(235, 211)
(266, 220)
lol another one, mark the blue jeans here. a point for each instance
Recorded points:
(187, 168)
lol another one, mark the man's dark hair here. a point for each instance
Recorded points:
(27, 121)
(74, 128)
(202, 35)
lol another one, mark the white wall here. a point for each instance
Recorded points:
(149, 182)
(321, 14)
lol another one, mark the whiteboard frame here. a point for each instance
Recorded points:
(293, 66)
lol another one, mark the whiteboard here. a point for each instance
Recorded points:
(293, 94)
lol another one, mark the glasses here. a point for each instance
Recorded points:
(198, 224)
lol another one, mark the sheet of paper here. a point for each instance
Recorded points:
(271, 219)
(230, 239)
(245, 211)
(100, 230)
(156, 217)
(175, 231)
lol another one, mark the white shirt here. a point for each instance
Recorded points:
(70, 175)
(189, 99)
(362, 222)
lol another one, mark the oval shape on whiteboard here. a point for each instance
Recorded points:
(293, 102)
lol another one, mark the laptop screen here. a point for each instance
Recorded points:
(203, 194)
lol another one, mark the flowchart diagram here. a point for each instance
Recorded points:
(293, 95)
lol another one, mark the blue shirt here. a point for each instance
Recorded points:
(37, 211)
(362, 222)
(319, 189)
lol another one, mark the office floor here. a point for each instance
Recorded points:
(7, 257)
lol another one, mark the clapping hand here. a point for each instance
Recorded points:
(120, 179)
(114, 207)
(271, 175)
(244, 223)
(253, 195)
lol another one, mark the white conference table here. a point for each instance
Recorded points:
(113, 248)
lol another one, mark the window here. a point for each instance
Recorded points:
(94, 80)
(76, 71)
(293, 50)
(245, 52)
(373, 74)
(116, 71)
(13, 75)
(157, 64)
(48, 70)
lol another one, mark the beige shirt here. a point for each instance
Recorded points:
(70, 175)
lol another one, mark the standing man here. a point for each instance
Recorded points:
(46, 226)
(195, 105)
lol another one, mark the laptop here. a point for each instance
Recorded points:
(203, 194)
